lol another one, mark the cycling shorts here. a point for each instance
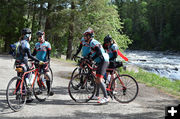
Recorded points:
(102, 69)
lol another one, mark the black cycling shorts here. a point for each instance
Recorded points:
(101, 70)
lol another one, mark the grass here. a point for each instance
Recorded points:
(171, 87)
(64, 60)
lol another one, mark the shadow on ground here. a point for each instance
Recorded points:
(83, 115)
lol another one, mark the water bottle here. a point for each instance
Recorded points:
(109, 78)
(27, 81)
(32, 78)
(43, 78)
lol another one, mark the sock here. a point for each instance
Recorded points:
(97, 90)
(48, 85)
(103, 88)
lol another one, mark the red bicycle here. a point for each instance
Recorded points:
(20, 89)
(81, 88)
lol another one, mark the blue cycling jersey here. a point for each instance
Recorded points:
(112, 48)
(41, 49)
(85, 47)
(23, 54)
(94, 43)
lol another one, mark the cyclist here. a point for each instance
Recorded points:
(85, 48)
(24, 52)
(42, 51)
(112, 49)
(85, 51)
(102, 60)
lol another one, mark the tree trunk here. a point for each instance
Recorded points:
(40, 17)
(33, 19)
(71, 32)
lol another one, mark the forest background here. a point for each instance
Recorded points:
(134, 24)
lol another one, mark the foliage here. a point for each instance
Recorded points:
(151, 24)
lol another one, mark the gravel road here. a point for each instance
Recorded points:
(150, 103)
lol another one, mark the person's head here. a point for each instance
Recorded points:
(26, 34)
(88, 34)
(41, 36)
(108, 40)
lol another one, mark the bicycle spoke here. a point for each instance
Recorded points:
(13, 94)
(131, 89)
(78, 88)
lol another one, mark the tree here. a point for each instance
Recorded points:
(11, 21)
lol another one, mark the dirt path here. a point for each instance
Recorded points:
(150, 103)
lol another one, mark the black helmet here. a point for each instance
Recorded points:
(40, 33)
(26, 31)
(107, 39)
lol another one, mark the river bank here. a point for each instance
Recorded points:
(165, 64)
(170, 87)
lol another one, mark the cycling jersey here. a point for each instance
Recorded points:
(111, 50)
(41, 49)
(85, 47)
(25, 53)
(23, 57)
(102, 56)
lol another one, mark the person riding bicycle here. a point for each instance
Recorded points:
(24, 52)
(112, 49)
(85, 48)
(42, 52)
(85, 51)
(101, 58)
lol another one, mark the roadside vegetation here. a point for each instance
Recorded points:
(169, 86)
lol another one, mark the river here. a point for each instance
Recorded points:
(165, 64)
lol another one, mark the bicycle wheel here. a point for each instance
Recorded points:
(51, 75)
(126, 93)
(15, 99)
(76, 71)
(81, 88)
(42, 87)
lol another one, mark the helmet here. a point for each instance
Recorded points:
(107, 39)
(40, 33)
(26, 31)
(89, 32)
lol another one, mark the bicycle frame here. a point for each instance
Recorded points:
(109, 69)
(37, 75)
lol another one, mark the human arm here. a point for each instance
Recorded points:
(28, 51)
(98, 52)
(78, 50)
(114, 49)
(34, 52)
(114, 55)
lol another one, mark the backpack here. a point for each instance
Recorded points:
(16, 50)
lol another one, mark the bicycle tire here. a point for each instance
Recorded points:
(124, 94)
(20, 98)
(72, 75)
(80, 70)
(40, 89)
(82, 93)
(51, 76)
(51, 73)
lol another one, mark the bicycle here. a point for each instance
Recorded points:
(18, 89)
(119, 84)
(80, 66)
